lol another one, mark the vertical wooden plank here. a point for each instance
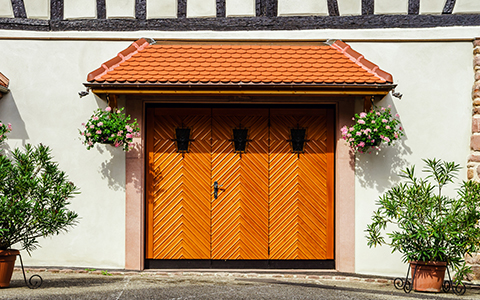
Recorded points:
(149, 124)
(330, 184)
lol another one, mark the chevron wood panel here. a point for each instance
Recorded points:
(300, 206)
(181, 187)
(240, 213)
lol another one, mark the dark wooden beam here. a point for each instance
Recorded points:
(19, 9)
(101, 9)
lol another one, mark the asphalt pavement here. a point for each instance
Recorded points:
(211, 284)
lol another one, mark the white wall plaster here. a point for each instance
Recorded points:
(201, 8)
(467, 7)
(349, 7)
(432, 6)
(120, 9)
(161, 9)
(80, 9)
(240, 8)
(302, 7)
(6, 10)
(391, 7)
(37, 9)
(53, 117)
(426, 86)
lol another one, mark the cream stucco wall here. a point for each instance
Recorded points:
(435, 80)
(435, 77)
(44, 107)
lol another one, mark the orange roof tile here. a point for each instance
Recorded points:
(332, 63)
(4, 80)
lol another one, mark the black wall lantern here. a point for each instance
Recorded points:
(182, 138)
(297, 139)
(240, 139)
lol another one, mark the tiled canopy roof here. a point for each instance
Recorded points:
(182, 64)
(3, 83)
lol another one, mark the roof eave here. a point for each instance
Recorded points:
(232, 88)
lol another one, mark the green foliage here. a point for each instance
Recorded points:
(107, 126)
(371, 129)
(4, 129)
(105, 272)
(34, 194)
(431, 226)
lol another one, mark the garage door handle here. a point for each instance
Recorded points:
(216, 188)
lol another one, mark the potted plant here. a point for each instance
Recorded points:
(110, 126)
(372, 128)
(433, 229)
(34, 195)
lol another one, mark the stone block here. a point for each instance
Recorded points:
(201, 8)
(80, 9)
(476, 42)
(157, 9)
(476, 94)
(349, 7)
(474, 158)
(466, 7)
(6, 10)
(475, 142)
(240, 8)
(429, 7)
(476, 50)
(470, 174)
(37, 9)
(476, 60)
(384, 7)
(476, 102)
(302, 8)
(476, 125)
(120, 9)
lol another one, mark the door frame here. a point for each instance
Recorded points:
(344, 190)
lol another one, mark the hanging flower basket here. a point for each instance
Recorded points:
(108, 126)
(371, 129)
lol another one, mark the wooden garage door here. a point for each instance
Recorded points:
(272, 203)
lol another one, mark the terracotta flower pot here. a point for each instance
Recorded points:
(429, 275)
(7, 262)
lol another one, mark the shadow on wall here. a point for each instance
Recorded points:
(110, 169)
(9, 113)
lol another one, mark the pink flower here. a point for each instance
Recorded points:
(349, 135)
(384, 121)
(129, 136)
(89, 134)
(389, 106)
(386, 139)
(9, 126)
(372, 141)
(387, 127)
(351, 140)
(373, 121)
(361, 144)
(137, 134)
(375, 130)
(90, 143)
(83, 133)
(113, 135)
(83, 124)
(363, 115)
(361, 122)
(351, 129)
(396, 135)
(108, 109)
(129, 129)
(359, 133)
(344, 137)
(92, 126)
(401, 128)
(95, 118)
(119, 134)
(382, 136)
(100, 123)
(353, 119)
(397, 116)
(98, 132)
(378, 113)
(344, 130)
(117, 144)
(118, 111)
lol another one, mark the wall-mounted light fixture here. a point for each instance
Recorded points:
(297, 139)
(240, 140)
(182, 139)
